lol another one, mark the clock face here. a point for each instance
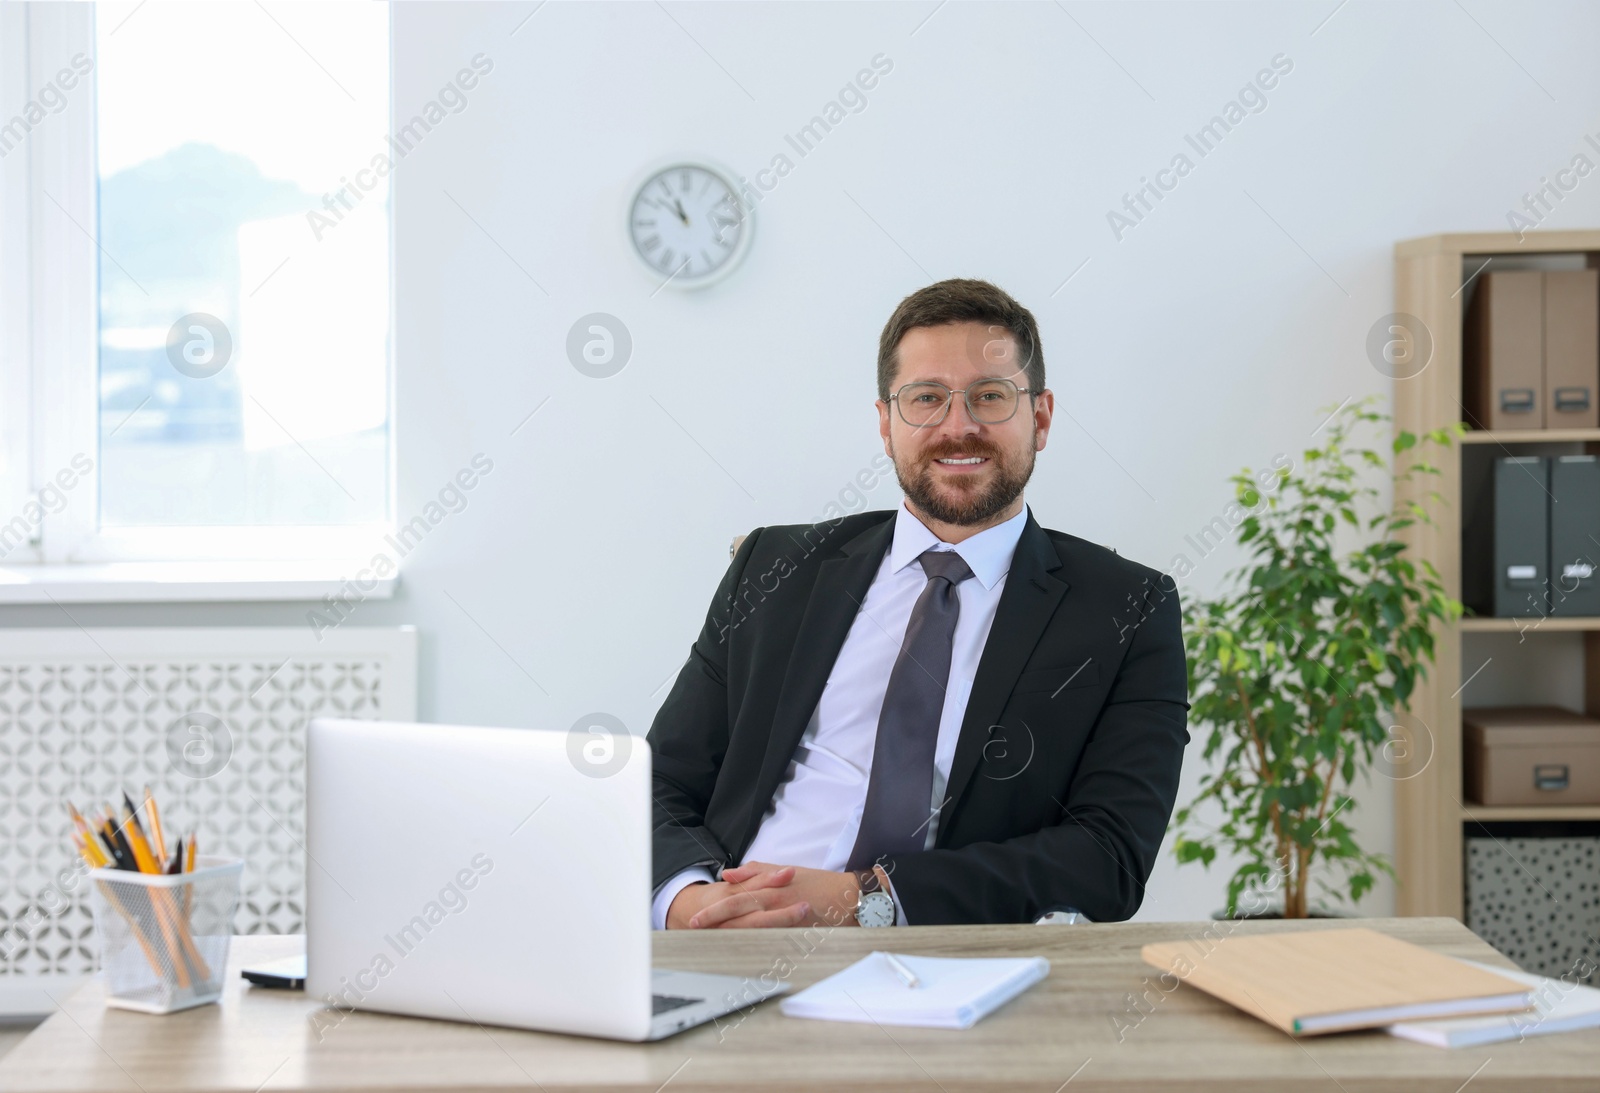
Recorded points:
(688, 224)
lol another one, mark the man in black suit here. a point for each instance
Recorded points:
(938, 714)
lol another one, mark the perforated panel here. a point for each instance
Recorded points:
(212, 720)
(1537, 900)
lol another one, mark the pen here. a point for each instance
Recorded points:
(126, 859)
(906, 975)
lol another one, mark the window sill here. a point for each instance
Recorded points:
(190, 582)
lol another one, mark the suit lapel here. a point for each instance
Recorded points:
(841, 586)
(1026, 605)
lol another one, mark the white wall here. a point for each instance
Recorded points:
(1202, 342)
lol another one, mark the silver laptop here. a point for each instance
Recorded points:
(498, 876)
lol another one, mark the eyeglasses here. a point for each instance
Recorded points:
(988, 401)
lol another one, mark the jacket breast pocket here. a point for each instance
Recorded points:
(1051, 680)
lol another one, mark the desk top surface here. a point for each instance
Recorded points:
(1101, 1020)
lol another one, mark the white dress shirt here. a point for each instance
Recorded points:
(816, 812)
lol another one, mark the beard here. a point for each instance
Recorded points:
(956, 500)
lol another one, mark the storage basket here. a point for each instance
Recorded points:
(164, 938)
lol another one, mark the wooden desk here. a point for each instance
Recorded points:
(1100, 1021)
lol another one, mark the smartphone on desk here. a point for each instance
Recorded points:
(286, 974)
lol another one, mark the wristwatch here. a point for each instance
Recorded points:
(874, 907)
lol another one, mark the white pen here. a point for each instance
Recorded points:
(905, 973)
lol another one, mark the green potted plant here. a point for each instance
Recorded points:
(1297, 666)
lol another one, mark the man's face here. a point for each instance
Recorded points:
(963, 493)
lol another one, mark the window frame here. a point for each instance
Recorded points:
(49, 316)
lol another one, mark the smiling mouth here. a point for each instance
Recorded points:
(962, 461)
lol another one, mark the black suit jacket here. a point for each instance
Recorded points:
(1066, 766)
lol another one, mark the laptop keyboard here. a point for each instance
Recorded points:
(661, 1003)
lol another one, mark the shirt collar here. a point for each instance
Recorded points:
(987, 554)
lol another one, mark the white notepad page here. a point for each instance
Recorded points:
(954, 992)
(1559, 1006)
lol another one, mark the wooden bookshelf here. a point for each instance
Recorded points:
(1556, 624)
(1530, 436)
(1489, 814)
(1430, 808)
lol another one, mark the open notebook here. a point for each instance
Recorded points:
(955, 992)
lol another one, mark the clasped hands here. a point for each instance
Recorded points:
(758, 894)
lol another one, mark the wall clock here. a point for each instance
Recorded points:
(689, 224)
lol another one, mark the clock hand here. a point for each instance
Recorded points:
(681, 214)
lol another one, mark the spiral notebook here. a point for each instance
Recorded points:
(953, 992)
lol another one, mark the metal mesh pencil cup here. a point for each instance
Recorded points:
(164, 938)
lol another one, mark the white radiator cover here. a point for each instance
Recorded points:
(88, 713)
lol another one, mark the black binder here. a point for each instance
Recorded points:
(1522, 535)
(1575, 535)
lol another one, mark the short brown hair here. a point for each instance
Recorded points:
(960, 300)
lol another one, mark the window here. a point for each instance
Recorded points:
(207, 367)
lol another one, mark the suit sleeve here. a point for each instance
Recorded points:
(689, 737)
(1097, 857)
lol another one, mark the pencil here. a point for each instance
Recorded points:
(89, 851)
(77, 817)
(188, 901)
(138, 931)
(155, 827)
(174, 923)
(89, 846)
(162, 904)
(141, 849)
(133, 821)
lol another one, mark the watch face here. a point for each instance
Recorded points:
(875, 909)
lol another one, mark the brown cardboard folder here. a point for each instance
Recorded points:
(1571, 348)
(1503, 351)
(1531, 350)
(1333, 980)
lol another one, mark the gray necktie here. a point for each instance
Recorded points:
(900, 789)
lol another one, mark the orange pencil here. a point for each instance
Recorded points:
(188, 899)
(141, 849)
(188, 867)
(155, 828)
(89, 852)
(88, 835)
(174, 925)
(138, 931)
(97, 858)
